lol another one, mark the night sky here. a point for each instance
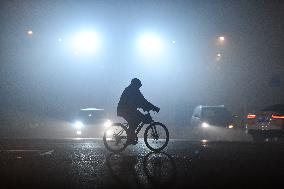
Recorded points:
(41, 74)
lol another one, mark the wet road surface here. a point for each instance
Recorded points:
(85, 163)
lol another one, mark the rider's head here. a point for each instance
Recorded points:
(136, 82)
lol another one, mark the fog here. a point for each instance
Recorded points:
(42, 76)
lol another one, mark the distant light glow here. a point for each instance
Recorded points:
(59, 39)
(174, 42)
(78, 125)
(92, 109)
(221, 38)
(79, 132)
(277, 117)
(218, 57)
(107, 123)
(150, 44)
(251, 116)
(231, 126)
(85, 42)
(30, 33)
(205, 125)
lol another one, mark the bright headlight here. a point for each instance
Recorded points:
(231, 126)
(107, 123)
(78, 125)
(205, 125)
(109, 132)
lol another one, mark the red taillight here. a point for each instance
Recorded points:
(277, 116)
(251, 116)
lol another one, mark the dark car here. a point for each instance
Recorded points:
(90, 122)
(206, 116)
(268, 121)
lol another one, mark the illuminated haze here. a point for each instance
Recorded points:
(43, 74)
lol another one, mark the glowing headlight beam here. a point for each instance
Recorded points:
(107, 123)
(205, 125)
(231, 126)
(109, 132)
(78, 125)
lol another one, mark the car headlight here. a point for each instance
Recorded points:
(109, 132)
(205, 125)
(78, 125)
(107, 123)
(231, 126)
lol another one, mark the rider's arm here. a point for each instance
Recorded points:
(145, 104)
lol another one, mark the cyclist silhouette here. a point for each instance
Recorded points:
(130, 100)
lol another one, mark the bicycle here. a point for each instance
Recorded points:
(156, 135)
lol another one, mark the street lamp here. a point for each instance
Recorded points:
(150, 44)
(30, 33)
(218, 56)
(85, 42)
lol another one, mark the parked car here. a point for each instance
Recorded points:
(207, 116)
(90, 122)
(266, 122)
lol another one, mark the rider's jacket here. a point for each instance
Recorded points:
(130, 100)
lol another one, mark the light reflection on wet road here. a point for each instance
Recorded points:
(87, 164)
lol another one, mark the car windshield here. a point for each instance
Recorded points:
(90, 114)
(215, 112)
(109, 93)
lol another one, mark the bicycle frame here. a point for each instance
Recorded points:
(141, 125)
(137, 130)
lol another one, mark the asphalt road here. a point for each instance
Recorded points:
(85, 163)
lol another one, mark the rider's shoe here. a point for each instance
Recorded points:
(135, 141)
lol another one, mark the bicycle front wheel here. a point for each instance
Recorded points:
(156, 136)
(115, 137)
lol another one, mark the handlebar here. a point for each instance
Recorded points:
(149, 112)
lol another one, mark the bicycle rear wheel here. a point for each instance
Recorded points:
(156, 136)
(115, 137)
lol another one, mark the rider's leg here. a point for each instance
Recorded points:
(133, 120)
(131, 129)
